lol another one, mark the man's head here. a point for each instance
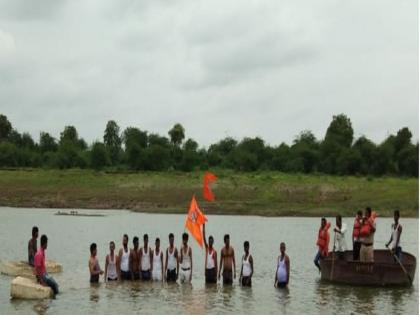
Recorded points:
(359, 214)
(246, 246)
(111, 246)
(226, 239)
(323, 222)
(44, 241)
(171, 239)
(125, 240)
(136, 242)
(396, 215)
(35, 232)
(93, 249)
(211, 241)
(145, 239)
(157, 242)
(185, 238)
(338, 220)
(368, 212)
(282, 247)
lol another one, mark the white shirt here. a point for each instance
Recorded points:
(394, 237)
(340, 238)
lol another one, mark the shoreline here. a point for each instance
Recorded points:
(265, 194)
(83, 212)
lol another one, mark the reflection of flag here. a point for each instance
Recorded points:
(195, 218)
(207, 193)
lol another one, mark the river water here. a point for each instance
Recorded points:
(70, 237)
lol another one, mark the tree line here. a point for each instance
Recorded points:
(135, 149)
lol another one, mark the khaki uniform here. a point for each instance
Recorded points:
(366, 250)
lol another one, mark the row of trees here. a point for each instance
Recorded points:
(136, 149)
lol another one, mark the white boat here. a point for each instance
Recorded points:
(29, 289)
(22, 268)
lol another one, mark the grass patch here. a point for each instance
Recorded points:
(260, 193)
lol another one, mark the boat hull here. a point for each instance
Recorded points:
(385, 271)
(28, 289)
(21, 268)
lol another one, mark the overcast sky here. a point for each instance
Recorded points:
(220, 68)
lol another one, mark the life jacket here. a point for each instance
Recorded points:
(367, 225)
(324, 238)
(356, 227)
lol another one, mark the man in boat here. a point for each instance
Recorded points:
(111, 262)
(281, 278)
(135, 259)
(185, 274)
(356, 235)
(39, 267)
(394, 241)
(227, 262)
(32, 246)
(210, 263)
(157, 265)
(247, 268)
(124, 260)
(94, 268)
(340, 237)
(171, 261)
(367, 232)
(146, 259)
(322, 242)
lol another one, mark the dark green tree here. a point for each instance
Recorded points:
(5, 127)
(305, 150)
(133, 135)
(99, 156)
(339, 136)
(113, 141)
(177, 134)
(402, 139)
(15, 137)
(8, 154)
(366, 150)
(69, 136)
(47, 143)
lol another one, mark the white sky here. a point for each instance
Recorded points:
(220, 68)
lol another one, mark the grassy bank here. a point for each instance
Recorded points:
(265, 193)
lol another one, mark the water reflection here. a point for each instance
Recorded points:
(41, 307)
(94, 292)
(305, 295)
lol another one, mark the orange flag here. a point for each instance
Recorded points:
(195, 219)
(207, 193)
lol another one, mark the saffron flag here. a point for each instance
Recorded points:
(207, 193)
(195, 219)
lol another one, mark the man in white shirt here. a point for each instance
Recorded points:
(340, 237)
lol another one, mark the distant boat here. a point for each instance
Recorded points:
(385, 271)
(78, 214)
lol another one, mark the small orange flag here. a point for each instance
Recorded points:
(207, 193)
(195, 219)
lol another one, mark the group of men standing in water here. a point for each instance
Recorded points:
(144, 263)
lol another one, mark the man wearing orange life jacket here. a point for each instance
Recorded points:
(322, 242)
(356, 235)
(367, 232)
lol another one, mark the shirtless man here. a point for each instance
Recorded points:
(135, 259)
(227, 260)
(94, 268)
(32, 246)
